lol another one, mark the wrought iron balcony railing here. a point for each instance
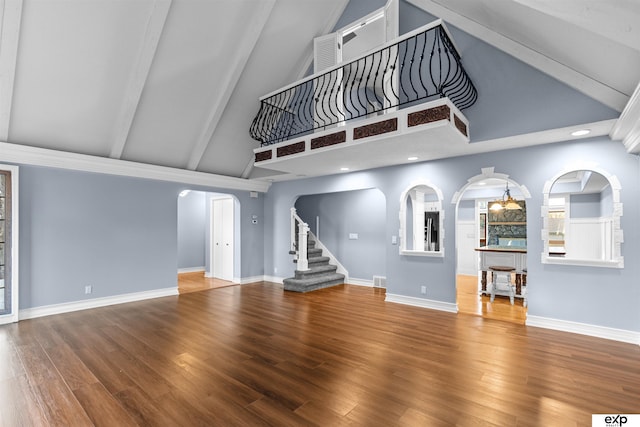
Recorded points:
(420, 66)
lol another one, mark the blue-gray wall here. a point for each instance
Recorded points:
(192, 226)
(513, 97)
(114, 233)
(599, 296)
(362, 212)
(585, 206)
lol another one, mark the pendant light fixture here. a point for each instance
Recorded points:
(507, 202)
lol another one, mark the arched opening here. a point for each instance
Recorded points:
(581, 219)
(350, 227)
(491, 231)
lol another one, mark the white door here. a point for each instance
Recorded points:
(466, 244)
(222, 231)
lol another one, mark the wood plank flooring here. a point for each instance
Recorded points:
(256, 355)
(196, 281)
(470, 302)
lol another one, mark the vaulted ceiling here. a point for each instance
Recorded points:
(176, 82)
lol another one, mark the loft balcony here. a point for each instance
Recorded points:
(370, 105)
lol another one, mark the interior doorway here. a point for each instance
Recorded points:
(491, 236)
(208, 240)
(221, 239)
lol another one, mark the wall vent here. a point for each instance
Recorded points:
(379, 282)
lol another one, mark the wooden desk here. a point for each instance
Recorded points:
(509, 256)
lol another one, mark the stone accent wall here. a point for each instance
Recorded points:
(507, 224)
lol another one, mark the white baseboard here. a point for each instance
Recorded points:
(359, 282)
(422, 302)
(246, 280)
(48, 310)
(273, 279)
(190, 270)
(584, 329)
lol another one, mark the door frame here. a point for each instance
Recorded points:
(212, 200)
(13, 254)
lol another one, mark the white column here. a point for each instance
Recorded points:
(303, 262)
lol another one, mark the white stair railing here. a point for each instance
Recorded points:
(301, 248)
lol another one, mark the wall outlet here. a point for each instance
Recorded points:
(88, 289)
(275, 270)
(423, 289)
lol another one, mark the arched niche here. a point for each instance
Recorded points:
(421, 220)
(581, 218)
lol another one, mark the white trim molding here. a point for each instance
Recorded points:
(252, 279)
(48, 310)
(82, 162)
(190, 270)
(627, 127)
(422, 302)
(273, 279)
(409, 193)
(359, 282)
(584, 329)
(616, 260)
(15, 241)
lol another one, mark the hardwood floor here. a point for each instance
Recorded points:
(195, 282)
(256, 355)
(470, 302)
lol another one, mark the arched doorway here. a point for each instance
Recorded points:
(491, 237)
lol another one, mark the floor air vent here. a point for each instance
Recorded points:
(379, 282)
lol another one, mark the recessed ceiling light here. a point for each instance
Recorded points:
(412, 158)
(581, 132)
(344, 169)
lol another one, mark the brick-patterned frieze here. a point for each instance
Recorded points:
(263, 155)
(429, 115)
(290, 149)
(331, 139)
(377, 128)
(460, 125)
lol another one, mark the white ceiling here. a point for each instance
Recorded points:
(176, 82)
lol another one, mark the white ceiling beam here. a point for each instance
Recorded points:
(627, 127)
(11, 18)
(243, 49)
(36, 156)
(139, 76)
(590, 87)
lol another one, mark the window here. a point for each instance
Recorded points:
(421, 221)
(581, 215)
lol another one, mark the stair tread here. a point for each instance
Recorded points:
(315, 280)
